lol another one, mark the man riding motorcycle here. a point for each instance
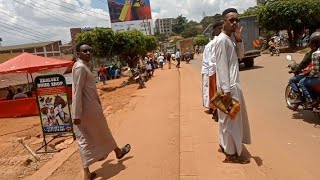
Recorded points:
(302, 69)
(272, 44)
(313, 78)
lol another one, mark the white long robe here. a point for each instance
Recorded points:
(93, 134)
(232, 132)
(208, 69)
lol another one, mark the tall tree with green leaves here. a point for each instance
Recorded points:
(101, 39)
(291, 15)
(180, 25)
(209, 19)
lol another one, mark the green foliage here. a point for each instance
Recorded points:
(151, 43)
(209, 19)
(180, 25)
(160, 37)
(101, 40)
(190, 31)
(128, 44)
(290, 14)
(201, 40)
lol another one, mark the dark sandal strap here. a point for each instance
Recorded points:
(124, 150)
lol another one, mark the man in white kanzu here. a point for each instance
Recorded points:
(232, 132)
(209, 87)
(90, 125)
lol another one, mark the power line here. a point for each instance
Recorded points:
(55, 13)
(25, 29)
(24, 21)
(76, 10)
(44, 12)
(80, 7)
(19, 35)
(1, 25)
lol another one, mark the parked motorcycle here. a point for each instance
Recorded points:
(293, 101)
(275, 51)
(138, 78)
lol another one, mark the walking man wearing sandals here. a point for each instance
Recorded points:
(90, 125)
(232, 132)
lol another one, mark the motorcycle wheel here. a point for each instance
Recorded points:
(289, 96)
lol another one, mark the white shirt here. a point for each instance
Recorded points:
(209, 63)
(177, 54)
(160, 58)
(20, 95)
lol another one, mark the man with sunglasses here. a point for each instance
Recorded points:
(91, 129)
(232, 132)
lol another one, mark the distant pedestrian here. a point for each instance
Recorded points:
(168, 57)
(178, 58)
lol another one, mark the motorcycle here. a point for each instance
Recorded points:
(293, 101)
(275, 51)
(138, 78)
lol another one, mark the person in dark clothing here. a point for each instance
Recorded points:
(302, 69)
(168, 57)
(10, 94)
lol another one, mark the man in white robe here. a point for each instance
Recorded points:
(232, 132)
(90, 125)
(208, 71)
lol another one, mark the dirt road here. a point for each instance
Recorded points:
(172, 137)
(287, 142)
(150, 123)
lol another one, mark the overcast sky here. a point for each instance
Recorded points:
(26, 21)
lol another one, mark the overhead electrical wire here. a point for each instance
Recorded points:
(81, 8)
(24, 28)
(54, 12)
(19, 35)
(76, 10)
(44, 12)
(26, 33)
(29, 23)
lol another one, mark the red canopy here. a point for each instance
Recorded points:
(30, 63)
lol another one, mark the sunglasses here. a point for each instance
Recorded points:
(237, 20)
(87, 50)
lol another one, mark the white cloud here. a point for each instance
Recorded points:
(57, 29)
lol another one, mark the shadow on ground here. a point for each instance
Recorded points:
(307, 116)
(242, 68)
(109, 169)
(247, 154)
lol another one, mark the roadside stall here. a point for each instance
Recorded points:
(23, 69)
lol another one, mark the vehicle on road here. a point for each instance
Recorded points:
(293, 101)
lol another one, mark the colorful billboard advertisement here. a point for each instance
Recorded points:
(129, 10)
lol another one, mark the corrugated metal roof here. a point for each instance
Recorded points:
(25, 46)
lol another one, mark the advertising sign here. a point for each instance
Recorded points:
(54, 111)
(130, 14)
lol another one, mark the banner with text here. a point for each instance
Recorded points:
(54, 109)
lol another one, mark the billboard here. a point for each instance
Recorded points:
(130, 14)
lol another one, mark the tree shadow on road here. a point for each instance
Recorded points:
(109, 170)
(247, 154)
(307, 116)
(242, 68)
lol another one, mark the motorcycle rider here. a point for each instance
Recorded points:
(313, 77)
(302, 70)
(272, 44)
